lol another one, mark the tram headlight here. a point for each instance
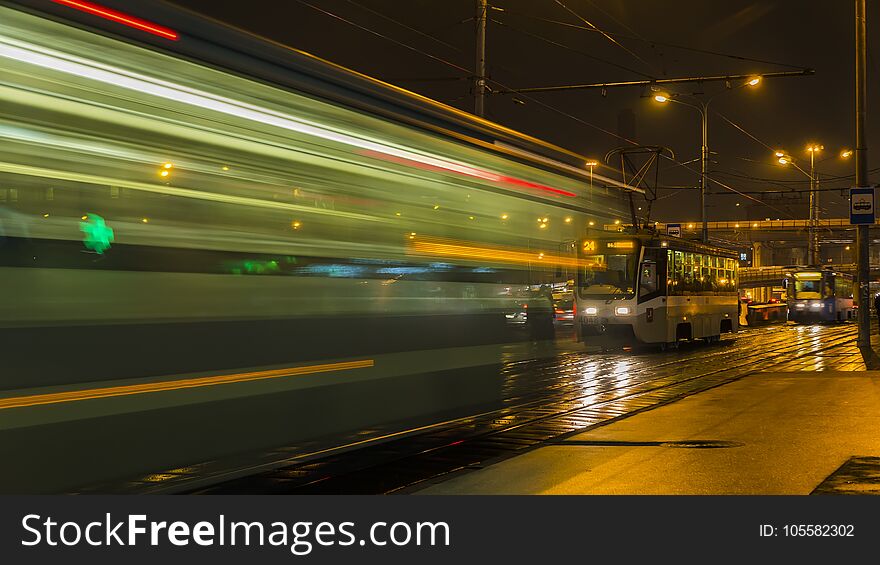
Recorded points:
(816, 305)
(591, 311)
(622, 310)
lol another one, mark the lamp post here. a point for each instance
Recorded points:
(703, 108)
(591, 164)
(814, 205)
(784, 158)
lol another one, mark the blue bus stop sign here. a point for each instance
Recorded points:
(861, 205)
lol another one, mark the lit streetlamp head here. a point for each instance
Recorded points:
(846, 154)
(780, 153)
(784, 160)
(661, 97)
(591, 164)
(754, 81)
(815, 148)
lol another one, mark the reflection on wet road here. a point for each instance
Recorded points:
(542, 399)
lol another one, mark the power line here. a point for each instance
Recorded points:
(742, 129)
(412, 29)
(383, 36)
(730, 188)
(458, 67)
(653, 42)
(605, 35)
(569, 48)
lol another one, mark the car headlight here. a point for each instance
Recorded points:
(622, 310)
(799, 305)
(591, 311)
(816, 305)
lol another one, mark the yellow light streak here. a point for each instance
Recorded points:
(164, 386)
(435, 247)
(28, 170)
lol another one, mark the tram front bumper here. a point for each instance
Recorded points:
(601, 332)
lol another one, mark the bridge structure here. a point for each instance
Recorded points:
(777, 242)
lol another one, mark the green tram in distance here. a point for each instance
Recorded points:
(636, 289)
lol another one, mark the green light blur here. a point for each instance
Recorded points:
(97, 234)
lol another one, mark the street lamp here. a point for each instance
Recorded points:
(703, 108)
(786, 159)
(591, 164)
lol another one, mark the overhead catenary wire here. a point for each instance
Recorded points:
(655, 42)
(572, 49)
(604, 34)
(537, 102)
(401, 24)
(460, 68)
(387, 38)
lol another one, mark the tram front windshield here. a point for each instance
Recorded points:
(807, 286)
(608, 275)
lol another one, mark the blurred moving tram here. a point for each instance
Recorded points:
(638, 289)
(180, 197)
(818, 294)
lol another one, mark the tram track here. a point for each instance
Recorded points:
(526, 422)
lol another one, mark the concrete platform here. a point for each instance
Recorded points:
(768, 433)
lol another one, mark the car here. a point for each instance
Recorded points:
(564, 310)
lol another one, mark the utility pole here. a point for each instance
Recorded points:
(861, 151)
(480, 79)
(704, 173)
(812, 253)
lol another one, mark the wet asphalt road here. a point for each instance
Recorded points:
(543, 399)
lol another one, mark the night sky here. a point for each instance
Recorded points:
(784, 113)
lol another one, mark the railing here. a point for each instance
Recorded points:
(745, 225)
(754, 277)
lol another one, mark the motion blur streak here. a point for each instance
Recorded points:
(174, 191)
(107, 392)
(124, 19)
(434, 247)
(49, 59)
(427, 165)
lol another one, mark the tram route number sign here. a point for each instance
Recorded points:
(673, 230)
(861, 205)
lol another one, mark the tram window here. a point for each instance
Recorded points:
(807, 287)
(648, 282)
(673, 272)
(608, 274)
(828, 288)
(843, 287)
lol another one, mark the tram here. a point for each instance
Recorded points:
(161, 170)
(646, 289)
(819, 295)
(179, 197)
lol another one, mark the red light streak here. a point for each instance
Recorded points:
(470, 172)
(119, 17)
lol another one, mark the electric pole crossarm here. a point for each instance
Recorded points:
(683, 80)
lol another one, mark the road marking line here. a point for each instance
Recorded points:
(107, 392)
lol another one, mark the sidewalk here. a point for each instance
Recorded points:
(767, 433)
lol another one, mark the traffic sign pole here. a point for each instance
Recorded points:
(861, 158)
